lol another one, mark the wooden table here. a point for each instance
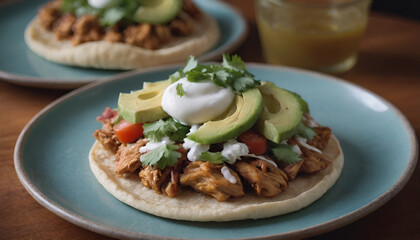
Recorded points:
(389, 65)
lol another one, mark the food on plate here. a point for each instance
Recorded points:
(212, 143)
(120, 34)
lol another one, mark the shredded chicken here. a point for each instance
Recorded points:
(106, 136)
(86, 29)
(114, 34)
(49, 14)
(292, 170)
(322, 137)
(266, 179)
(207, 178)
(312, 161)
(128, 157)
(189, 7)
(182, 25)
(63, 30)
(164, 181)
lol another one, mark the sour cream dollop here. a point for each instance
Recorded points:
(201, 102)
(100, 3)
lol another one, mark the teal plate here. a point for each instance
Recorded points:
(19, 65)
(51, 160)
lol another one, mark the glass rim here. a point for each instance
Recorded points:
(318, 3)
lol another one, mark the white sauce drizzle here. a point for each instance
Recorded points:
(302, 142)
(262, 158)
(100, 3)
(233, 150)
(153, 145)
(226, 173)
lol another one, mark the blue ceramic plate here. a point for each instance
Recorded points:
(19, 65)
(51, 160)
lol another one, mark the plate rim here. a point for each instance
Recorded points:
(70, 83)
(300, 233)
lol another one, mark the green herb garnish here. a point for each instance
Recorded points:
(285, 153)
(231, 73)
(180, 90)
(161, 157)
(169, 127)
(305, 131)
(108, 16)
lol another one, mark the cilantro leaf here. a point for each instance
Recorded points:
(180, 90)
(305, 131)
(213, 157)
(232, 73)
(121, 10)
(233, 63)
(161, 157)
(285, 153)
(169, 127)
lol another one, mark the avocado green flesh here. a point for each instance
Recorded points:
(157, 11)
(242, 115)
(143, 105)
(282, 114)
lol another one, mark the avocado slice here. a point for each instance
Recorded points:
(241, 116)
(282, 114)
(143, 105)
(157, 11)
(157, 85)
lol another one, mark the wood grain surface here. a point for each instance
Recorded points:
(389, 65)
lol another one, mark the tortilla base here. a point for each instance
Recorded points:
(193, 206)
(111, 55)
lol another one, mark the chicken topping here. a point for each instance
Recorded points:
(128, 157)
(266, 179)
(164, 181)
(312, 161)
(322, 137)
(207, 178)
(86, 29)
(63, 29)
(106, 136)
(49, 14)
(292, 170)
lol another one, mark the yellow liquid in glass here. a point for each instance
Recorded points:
(317, 44)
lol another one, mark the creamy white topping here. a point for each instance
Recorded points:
(152, 145)
(233, 150)
(302, 142)
(195, 149)
(200, 103)
(100, 3)
(262, 158)
(296, 149)
(226, 173)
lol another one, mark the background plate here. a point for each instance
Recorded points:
(19, 65)
(380, 149)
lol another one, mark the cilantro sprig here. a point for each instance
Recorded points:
(231, 73)
(108, 16)
(155, 131)
(285, 153)
(161, 157)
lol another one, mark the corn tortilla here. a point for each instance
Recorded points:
(193, 206)
(115, 55)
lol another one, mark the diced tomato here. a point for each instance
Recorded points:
(128, 132)
(256, 142)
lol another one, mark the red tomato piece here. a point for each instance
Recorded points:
(256, 142)
(128, 132)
